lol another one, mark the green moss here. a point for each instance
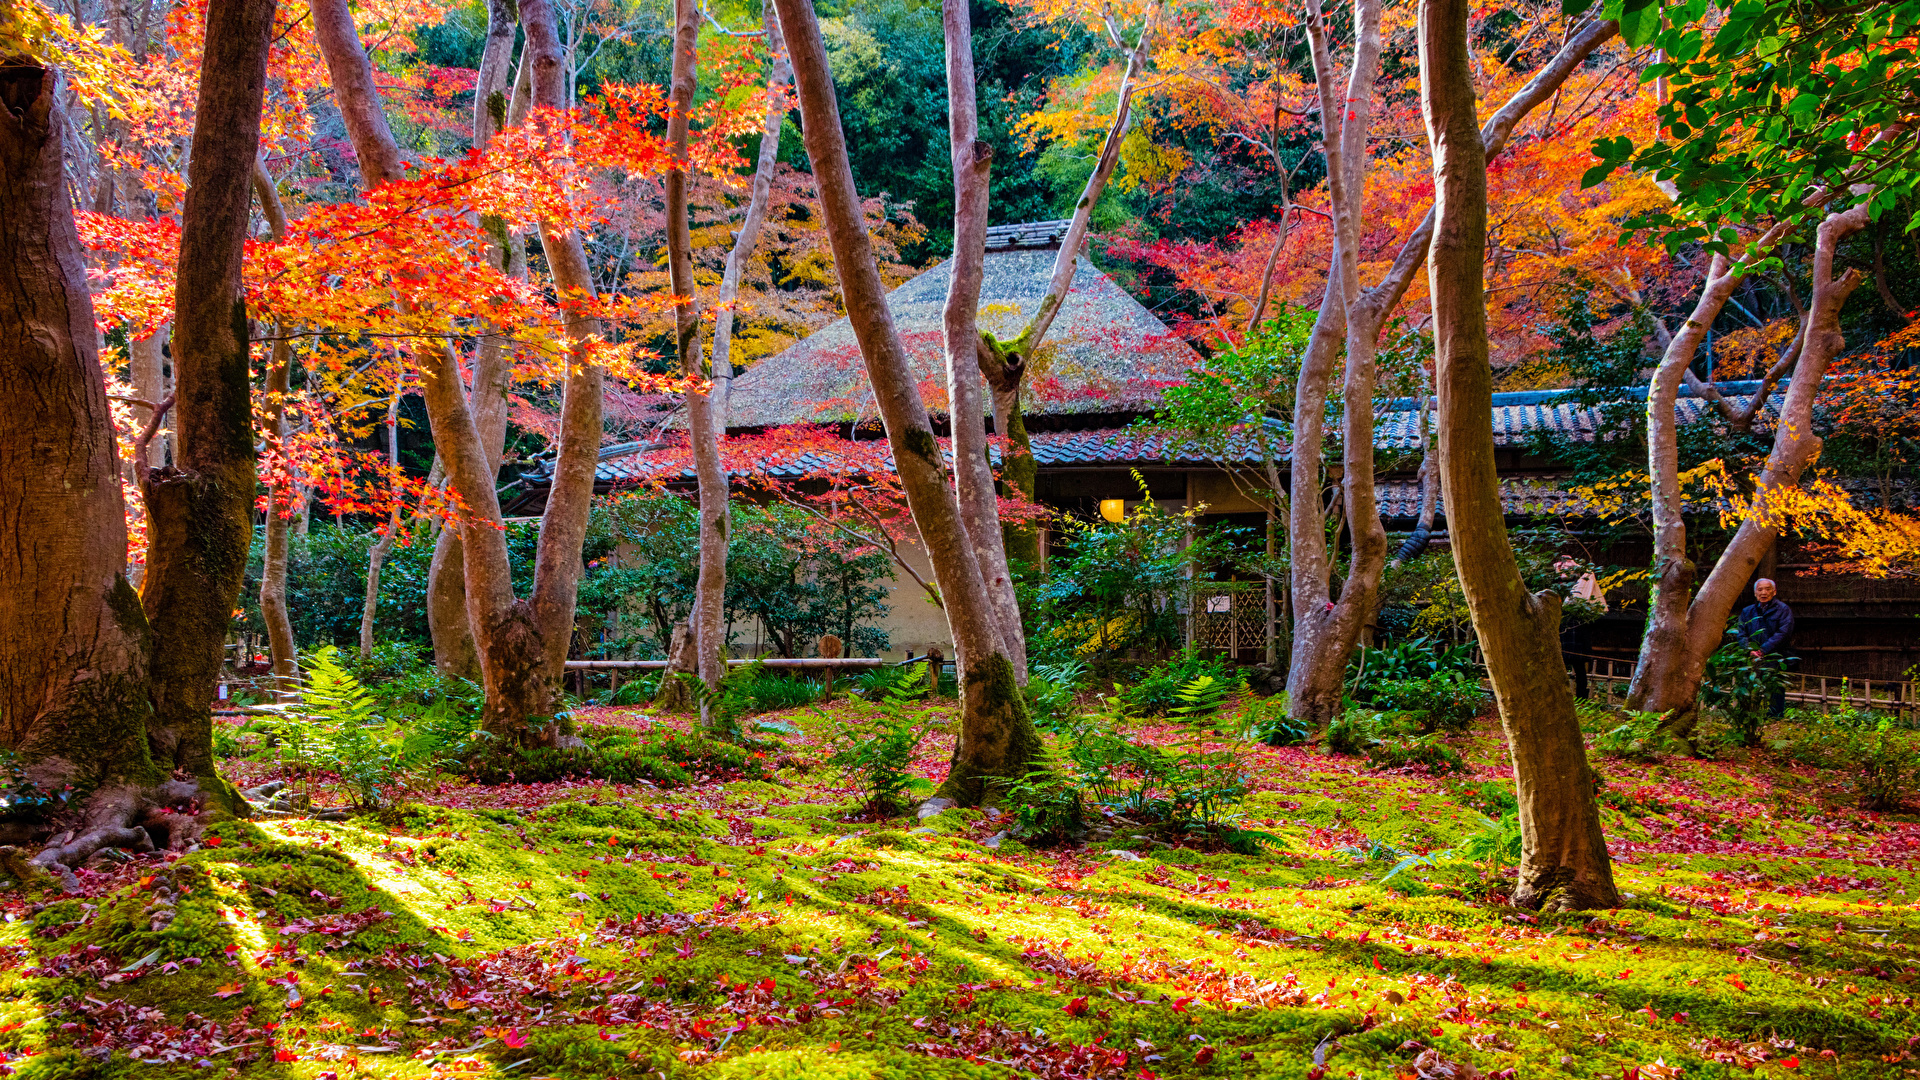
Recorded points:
(920, 442)
(774, 886)
(68, 1064)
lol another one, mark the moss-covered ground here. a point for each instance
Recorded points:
(767, 929)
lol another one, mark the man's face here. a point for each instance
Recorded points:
(1763, 591)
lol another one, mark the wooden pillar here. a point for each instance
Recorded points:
(830, 647)
(1273, 616)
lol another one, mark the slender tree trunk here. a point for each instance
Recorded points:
(966, 396)
(563, 526)
(1004, 364)
(1673, 681)
(707, 413)
(454, 651)
(996, 739)
(73, 639)
(273, 572)
(1564, 862)
(377, 555)
(708, 617)
(1416, 543)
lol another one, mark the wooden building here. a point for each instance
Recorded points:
(1102, 373)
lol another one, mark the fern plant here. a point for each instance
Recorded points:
(336, 727)
(877, 753)
(1200, 700)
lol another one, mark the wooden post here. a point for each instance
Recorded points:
(1273, 615)
(934, 660)
(829, 650)
(1233, 629)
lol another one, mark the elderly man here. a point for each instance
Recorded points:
(1765, 626)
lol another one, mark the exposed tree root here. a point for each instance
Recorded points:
(170, 815)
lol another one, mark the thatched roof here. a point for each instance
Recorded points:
(1105, 354)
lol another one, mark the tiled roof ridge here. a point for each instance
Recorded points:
(1029, 234)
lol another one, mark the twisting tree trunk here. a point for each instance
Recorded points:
(1682, 635)
(453, 647)
(707, 620)
(1664, 646)
(1564, 862)
(996, 738)
(1317, 662)
(966, 396)
(273, 572)
(522, 643)
(1327, 629)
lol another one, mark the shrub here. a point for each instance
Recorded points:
(1640, 738)
(637, 691)
(1050, 691)
(1741, 685)
(1157, 692)
(767, 692)
(1188, 788)
(1353, 732)
(1425, 752)
(1448, 699)
(876, 752)
(1266, 721)
(669, 759)
(1418, 658)
(337, 727)
(1881, 761)
(1045, 803)
(876, 683)
(1200, 700)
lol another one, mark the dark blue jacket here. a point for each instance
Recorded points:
(1766, 626)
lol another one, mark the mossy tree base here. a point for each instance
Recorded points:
(997, 742)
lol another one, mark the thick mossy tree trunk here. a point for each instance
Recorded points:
(997, 738)
(201, 509)
(73, 640)
(1564, 863)
(88, 696)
